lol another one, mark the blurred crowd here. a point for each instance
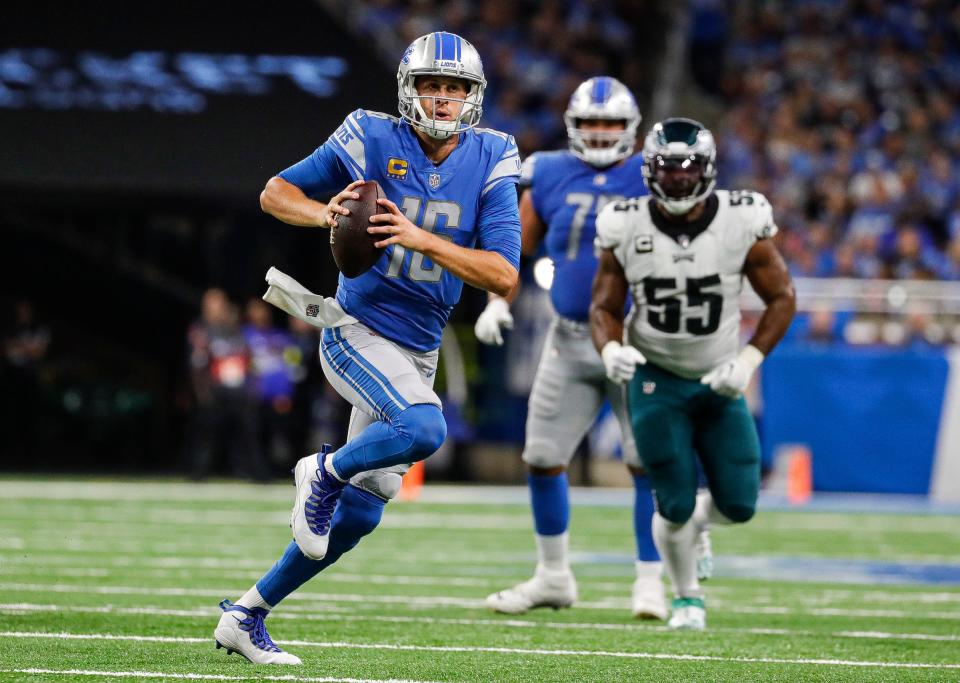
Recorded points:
(535, 53)
(260, 397)
(846, 114)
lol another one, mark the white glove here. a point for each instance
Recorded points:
(495, 316)
(730, 379)
(620, 361)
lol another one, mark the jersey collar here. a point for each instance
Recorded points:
(677, 230)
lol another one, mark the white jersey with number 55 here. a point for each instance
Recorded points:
(685, 279)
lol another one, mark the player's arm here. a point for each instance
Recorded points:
(606, 319)
(288, 196)
(532, 230)
(770, 279)
(496, 316)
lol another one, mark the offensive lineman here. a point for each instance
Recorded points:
(682, 254)
(564, 192)
(457, 222)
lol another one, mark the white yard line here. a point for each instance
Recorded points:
(301, 614)
(415, 601)
(495, 650)
(202, 677)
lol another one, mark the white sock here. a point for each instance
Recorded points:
(552, 552)
(328, 466)
(252, 598)
(649, 570)
(706, 512)
(676, 543)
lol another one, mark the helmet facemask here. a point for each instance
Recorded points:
(679, 164)
(601, 147)
(411, 108)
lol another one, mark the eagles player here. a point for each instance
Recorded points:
(450, 217)
(565, 190)
(682, 253)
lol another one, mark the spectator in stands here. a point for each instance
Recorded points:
(273, 384)
(225, 416)
(25, 347)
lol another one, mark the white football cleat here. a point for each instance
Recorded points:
(546, 589)
(316, 499)
(689, 614)
(704, 556)
(241, 630)
(649, 596)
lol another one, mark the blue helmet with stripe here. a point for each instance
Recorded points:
(602, 98)
(441, 54)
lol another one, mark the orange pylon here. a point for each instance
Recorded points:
(799, 475)
(412, 482)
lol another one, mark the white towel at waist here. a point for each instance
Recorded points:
(289, 295)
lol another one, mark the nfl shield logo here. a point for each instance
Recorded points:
(649, 387)
(434, 181)
(313, 310)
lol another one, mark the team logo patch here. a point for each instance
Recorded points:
(397, 168)
(600, 179)
(649, 387)
(643, 244)
(434, 180)
(313, 310)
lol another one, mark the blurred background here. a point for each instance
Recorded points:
(134, 143)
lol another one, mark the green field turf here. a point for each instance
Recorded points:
(121, 580)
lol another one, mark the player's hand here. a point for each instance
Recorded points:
(620, 361)
(731, 379)
(495, 317)
(335, 205)
(398, 228)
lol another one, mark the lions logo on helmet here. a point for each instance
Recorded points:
(441, 54)
(602, 98)
(679, 164)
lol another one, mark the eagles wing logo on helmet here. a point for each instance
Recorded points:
(677, 145)
(441, 54)
(602, 98)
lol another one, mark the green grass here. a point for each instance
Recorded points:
(99, 579)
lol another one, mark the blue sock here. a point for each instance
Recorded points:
(411, 435)
(550, 501)
(358, 513)
(643, 510)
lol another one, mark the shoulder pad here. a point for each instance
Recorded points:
(349, 142)
(612, 224)
(506, 163)
(756, 211)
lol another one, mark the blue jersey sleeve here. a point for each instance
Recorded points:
(321, 173)
(499, 222)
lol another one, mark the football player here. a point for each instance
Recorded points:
(450, 217)
(564, 192)
(682, 253)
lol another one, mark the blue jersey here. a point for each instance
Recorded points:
(567, 194)
(469, 199)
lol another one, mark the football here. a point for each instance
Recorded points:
(352, 246)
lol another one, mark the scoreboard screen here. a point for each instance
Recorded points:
(194, 98)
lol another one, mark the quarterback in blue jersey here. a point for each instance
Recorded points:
(450, 216)
(564, 192)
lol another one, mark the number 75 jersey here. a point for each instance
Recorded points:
(685, 280)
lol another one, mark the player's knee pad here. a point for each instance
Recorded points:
(737, 511)
(676, 507)
(543, 454)
(424, 427)
(382, 484)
